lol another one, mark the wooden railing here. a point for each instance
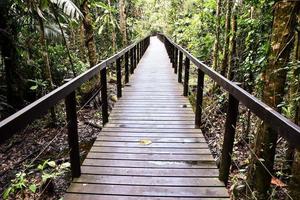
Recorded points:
(16, 122)
(284, 127)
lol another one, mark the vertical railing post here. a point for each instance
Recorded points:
(137, 53)
(70, 102)
(230, 124)
(176, 61)
(103, 75)
(186, 76)
(180, 67)
(134, 55)
(131, 61)
(198, 111)
(173, 56)
(119, 78)
(126, 68)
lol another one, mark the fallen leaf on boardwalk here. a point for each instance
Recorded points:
(114, 98)
(145, 142)
(277, 182)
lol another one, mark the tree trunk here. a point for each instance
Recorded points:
(46, 69)
(293, 154)
(227, 36)
(233, 53)
(123, 28)
(89, 34)
(274, 78)
(113, 32)
(88, 88)
(217, 40)
(9, 54)
(81, 43)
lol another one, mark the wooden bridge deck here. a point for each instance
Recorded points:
(176, 165)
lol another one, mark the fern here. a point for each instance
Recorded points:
(69, 8)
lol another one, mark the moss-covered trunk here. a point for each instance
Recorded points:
(88, 88)
(224, 65)
(123, 27)
(233, 53)
(217, 40)
(294, 184)
(274, 78)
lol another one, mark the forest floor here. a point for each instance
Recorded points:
(33, 151)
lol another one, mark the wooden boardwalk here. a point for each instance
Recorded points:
(176, 165)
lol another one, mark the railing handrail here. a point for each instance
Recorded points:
(285, 127)
(23, 117)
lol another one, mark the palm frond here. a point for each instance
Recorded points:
(69, 8)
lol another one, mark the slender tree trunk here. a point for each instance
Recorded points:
(81, 43)
(113, 32)
(274, 83)
(88, 88)
(233, 53)
(123, 28)
(14, 82)
(227, 36)
(65, 41)
(89, 34)
(217, 40)
(46, 69)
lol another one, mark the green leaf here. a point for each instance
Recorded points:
(52, 164)
(34, 87)
(33, 188)
(65, 165)
(6, 193)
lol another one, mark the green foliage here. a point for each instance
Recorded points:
(24, 182)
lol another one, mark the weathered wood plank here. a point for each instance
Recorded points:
(78, 196)
(157, 157)
(151, 164)
(150, 191)
(150, 150)
(152, 139)
(150, 181)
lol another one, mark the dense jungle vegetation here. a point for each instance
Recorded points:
(253, 42)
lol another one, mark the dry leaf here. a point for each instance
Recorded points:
(145, 142)
(277, 182)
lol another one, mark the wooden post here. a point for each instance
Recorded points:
(173, 56)
(135, 57)
(131, 61)
(186, 76)
(70, 102)
(176, 61)
(119, 78)
(180, 67)
(126, 68)
(104, 96)
(199, 99)
(230, 124)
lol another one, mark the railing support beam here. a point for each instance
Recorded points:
(230, 125)
(70, 102)
(180, 67)
(126, 68)
(199, 99)
(186, 76)
(119, 78)
(104, 96)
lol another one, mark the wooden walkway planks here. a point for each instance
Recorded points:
(176, 165)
